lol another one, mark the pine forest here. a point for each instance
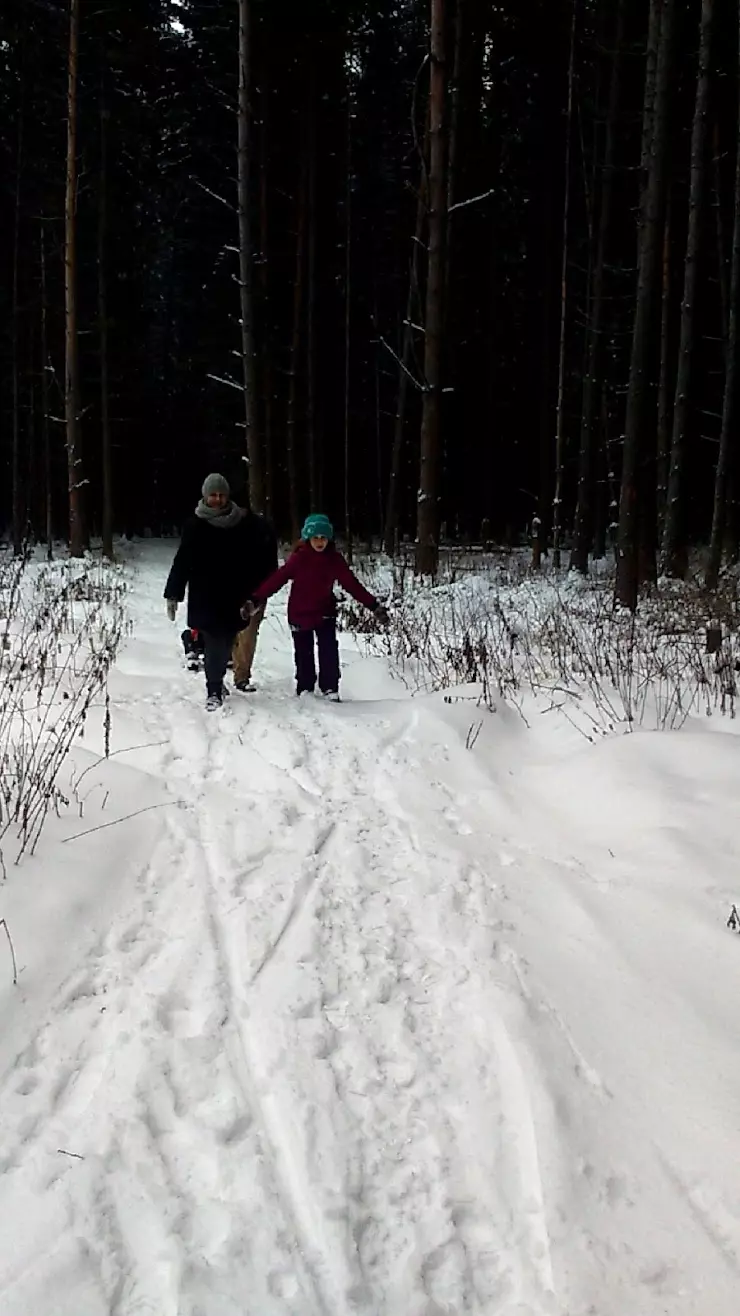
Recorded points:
(454, 271)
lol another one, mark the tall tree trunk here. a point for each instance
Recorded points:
(266, 349)
(313, 467)
(454, 94)
(378, 437)
(592, 384)
(246, 279)
(674, 554)
(666, 381)
(427, 521)
(602, 503)
(105, 423)
(652, 207)
(77, 531)
(348, 320)
(413, 309)
(728, 432)
(17, 488)
(454, 101)
(295, 354)
(45, 426)
(557, 502)
(541, 519)
(719, 221)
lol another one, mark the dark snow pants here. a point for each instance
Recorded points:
(325, 637)
(217, 646)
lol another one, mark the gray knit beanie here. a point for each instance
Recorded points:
(216, 484)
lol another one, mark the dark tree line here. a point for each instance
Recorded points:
(446, 269)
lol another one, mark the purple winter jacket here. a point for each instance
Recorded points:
(313, 577)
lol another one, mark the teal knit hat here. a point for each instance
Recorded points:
(317, 525)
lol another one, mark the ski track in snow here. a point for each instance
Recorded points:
(310, 1073)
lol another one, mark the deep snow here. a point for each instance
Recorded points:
(350, 1020)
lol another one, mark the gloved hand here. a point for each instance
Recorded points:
(248, 610)
(381, 615)
(171, 608)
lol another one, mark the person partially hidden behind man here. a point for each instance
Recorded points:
(224, 554)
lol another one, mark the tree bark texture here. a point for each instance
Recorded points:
(405, 379)
(652, 205)
(77, 534)
(105, 422)
(291, 428)
(557, 502)
(728, 442)
(666, 382)
(673, 553)
(592, 384)
(16, 478)
(427, 521)
(246, 266)
(45, 416)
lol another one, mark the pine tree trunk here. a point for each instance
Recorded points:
(602, 504)
(666, 381)
(378, 436)
(728, 432)
(454, 94)
(313, 467)
(105, 424)
(77, 531)
(427, 521)
(266, 345)
(45, 417)
(557, 502)
(413, 309)
(652, 207)
(719, 223)
(592, 384)
(246, 278)
(295, 354)
(348, 322)
(454, 102)
(32, 482)
(17, 490)
(673, 554)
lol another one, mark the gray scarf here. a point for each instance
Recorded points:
(224, 518)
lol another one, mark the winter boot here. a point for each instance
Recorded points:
(215, 699)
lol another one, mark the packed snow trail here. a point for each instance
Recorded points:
(354, 1021)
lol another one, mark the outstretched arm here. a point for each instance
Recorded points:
(275, 581)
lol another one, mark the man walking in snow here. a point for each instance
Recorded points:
(225, 552)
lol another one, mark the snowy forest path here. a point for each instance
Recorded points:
(364, 1023)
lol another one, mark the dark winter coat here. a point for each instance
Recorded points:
(313, 577)
(220, 567)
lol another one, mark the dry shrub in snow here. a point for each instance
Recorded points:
(560, 639)
(61, 624)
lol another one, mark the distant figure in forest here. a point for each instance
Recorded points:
(224, 553)
(314, 568)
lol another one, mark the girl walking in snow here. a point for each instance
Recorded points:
(314, 568)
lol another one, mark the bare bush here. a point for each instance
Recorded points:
(61, 625)
(560, 639)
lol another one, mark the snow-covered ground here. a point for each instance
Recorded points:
(343, 1018)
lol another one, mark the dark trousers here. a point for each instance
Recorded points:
(305, 663)
(217, 646)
